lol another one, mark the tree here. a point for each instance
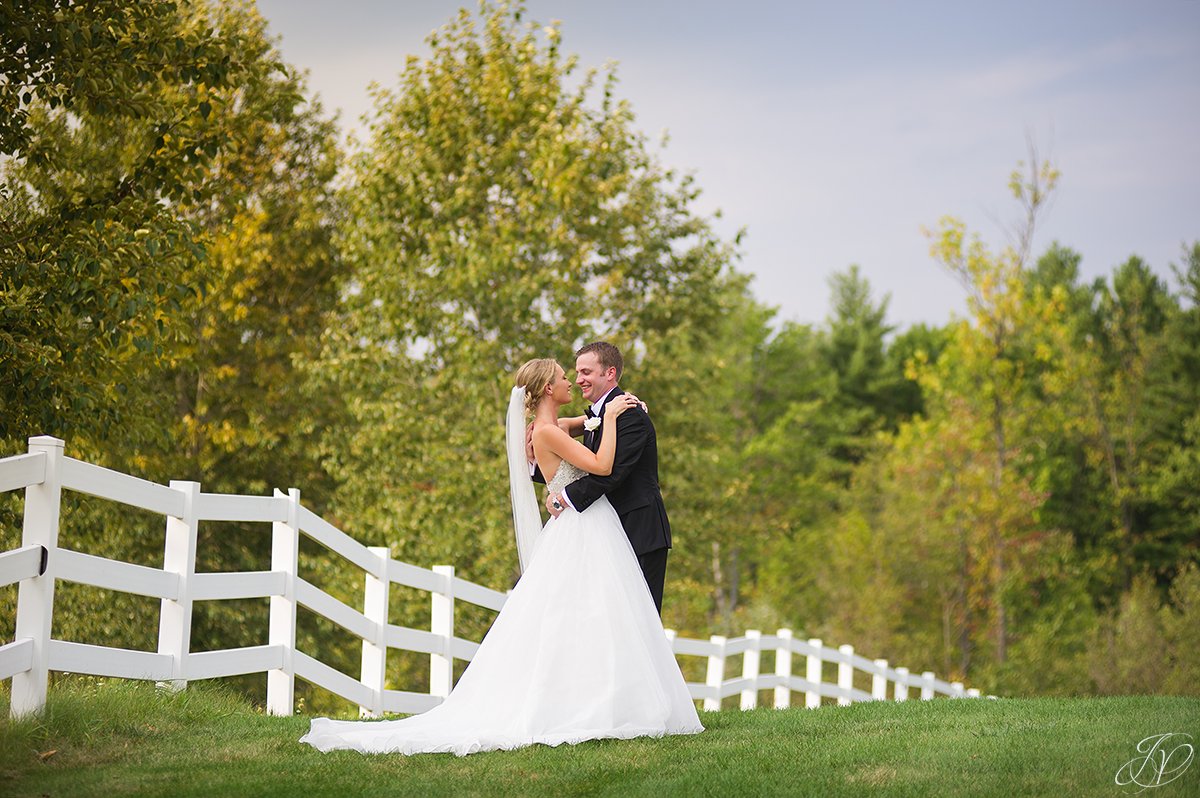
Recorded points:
(821, 397)
(698, 373)
(94, 254)
(996, 351)
(195, 371)
(1077, 498)
(1113, 373)
(856, 350)
(917, 347)
(497, 214)
(109, 58)
(1174, 522)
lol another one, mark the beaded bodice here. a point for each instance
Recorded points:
(565, 475)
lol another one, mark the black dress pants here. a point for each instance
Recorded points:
(654, 568)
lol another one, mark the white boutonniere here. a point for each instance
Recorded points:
(590, 424)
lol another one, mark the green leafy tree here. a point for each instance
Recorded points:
(1173, 517)
(1129, 645)
(503, 208)
(995, 355)
(1181, 627)
(1112, 373)
(198, 377)
(1068, 464)
(698, 372)
(909, 352)
(856, 349)
(821, 396)
(93, 254)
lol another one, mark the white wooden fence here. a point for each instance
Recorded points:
(39, 563)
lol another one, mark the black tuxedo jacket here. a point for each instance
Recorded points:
(632, 487)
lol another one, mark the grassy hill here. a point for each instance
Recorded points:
(119, 739)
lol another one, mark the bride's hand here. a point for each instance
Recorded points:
(620, 404)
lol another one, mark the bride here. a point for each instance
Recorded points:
(578, 651)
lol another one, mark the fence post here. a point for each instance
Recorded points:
(879, 681)
(716, 673)
(783, 668)
(374, 652)
(179, 557)
(956, 689)
(901, 684)
(845, 675)
(285, 549)
(441, 665)
(35, 596)
(927, 685)
(751, 659)
(812, 672)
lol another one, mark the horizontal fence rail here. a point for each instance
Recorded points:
(39, 563)
(22, 563)
(22, 471)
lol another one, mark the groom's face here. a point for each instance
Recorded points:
(591, 377)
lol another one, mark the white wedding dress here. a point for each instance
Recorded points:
(577, 653)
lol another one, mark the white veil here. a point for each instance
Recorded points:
(527, 518)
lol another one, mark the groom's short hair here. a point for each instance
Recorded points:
(608, 355)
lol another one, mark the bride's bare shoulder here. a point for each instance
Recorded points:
(546, 431)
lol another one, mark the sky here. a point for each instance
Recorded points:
(834, 132)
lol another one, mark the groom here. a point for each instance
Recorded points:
(632, 487)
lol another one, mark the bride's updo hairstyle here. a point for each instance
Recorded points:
(534, 376)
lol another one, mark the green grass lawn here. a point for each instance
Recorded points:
(119, 739)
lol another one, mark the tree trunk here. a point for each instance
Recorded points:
(964, 600)
(719, 585)
(997, 533)
(734, 582)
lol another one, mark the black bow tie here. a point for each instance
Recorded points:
(587, 411)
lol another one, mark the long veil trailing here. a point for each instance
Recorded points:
(527, 519)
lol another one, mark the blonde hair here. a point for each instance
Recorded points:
(534, 376)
